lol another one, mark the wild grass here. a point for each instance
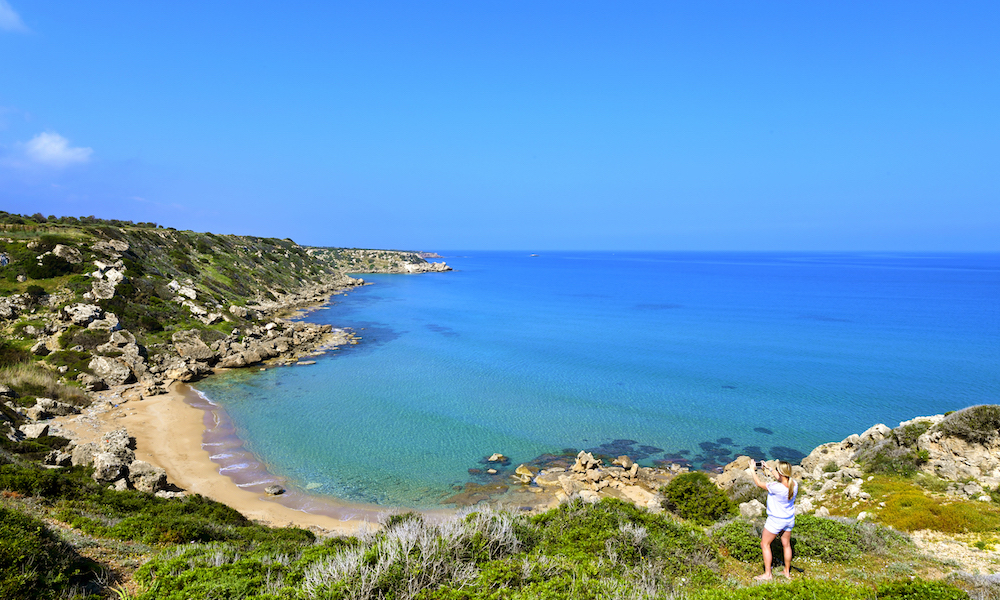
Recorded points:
(31, 380)
(909, 508)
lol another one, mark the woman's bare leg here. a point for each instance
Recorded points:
(765, 547)
(786, 543)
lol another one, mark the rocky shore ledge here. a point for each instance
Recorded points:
(961, 448)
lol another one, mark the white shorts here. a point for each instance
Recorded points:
(776, 525)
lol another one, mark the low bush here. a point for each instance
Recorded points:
(889, 458)
(976, 424)
(741, 540)
(624, 533)
(907, 435)
(841, 540)
(50, 266)
(695, 497)
(35, 564)
(919, 589)
(817, 589)
(33, 448)
(745, 490)
(11, 355)
(88, 338)
(76, 362)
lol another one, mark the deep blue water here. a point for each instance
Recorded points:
(677, 351)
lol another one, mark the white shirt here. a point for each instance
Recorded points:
(778, 504)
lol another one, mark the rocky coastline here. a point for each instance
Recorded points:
(970, 464)
(125, 371)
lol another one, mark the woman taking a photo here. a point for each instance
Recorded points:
(780, 513)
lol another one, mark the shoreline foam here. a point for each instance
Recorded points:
(169, 431)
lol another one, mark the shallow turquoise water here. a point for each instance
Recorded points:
(678, 351)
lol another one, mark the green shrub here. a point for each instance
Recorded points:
(918, 589)
(837, 540)
(34, 563)
(976, 424)
(695, 497)
(50, 266)
(580, 532)
(75, 361)
(11, 355)
(887, 457)
(745, 490)
(797, 589)
(88, 338)
(741, 540)
(907, 435)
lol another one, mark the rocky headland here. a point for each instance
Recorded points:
(96, 315)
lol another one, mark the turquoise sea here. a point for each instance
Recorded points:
(684, 357)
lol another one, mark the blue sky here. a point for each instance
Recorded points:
(512, 125)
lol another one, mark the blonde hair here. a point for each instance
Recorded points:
(785, 469)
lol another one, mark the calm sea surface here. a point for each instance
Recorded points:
(678, 356)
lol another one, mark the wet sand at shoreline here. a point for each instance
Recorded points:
(169, 431)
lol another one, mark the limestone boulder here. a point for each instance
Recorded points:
(46, 408)
(109, 322)
(58, 458)
(144, 477)
(118, 340)
(40, 349)
(9, 308)
(570, 485)
(235, 360)
(751, 509)
(549, 478)
(34, 430)
(734, 473)
(805, 506)
(189, 345)
(955, 459)
(874, 434)
(187, 371)
(641, 497)
(111, 247)
(83, 454)
(839, 453)
(82, 314)
(212, 318)
(118, 443)
(102, 289)
(68, 253)
(92, 383)
(108, 467)
(585, 461)
(624, 461)
(113, 371)
(525, 473)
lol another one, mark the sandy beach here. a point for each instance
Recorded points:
(168, 431)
